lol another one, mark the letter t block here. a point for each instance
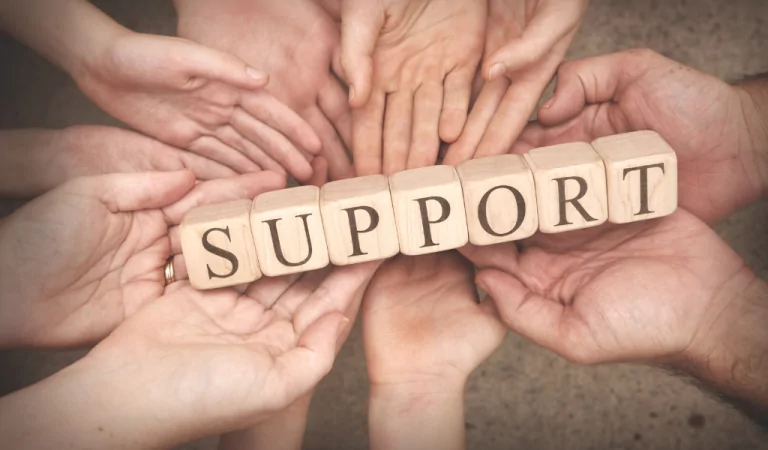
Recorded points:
(429, 210)
(218, 246)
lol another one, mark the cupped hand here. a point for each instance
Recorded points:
(216, 361)
(700, 116)
(647, 292)
(422, 322)
(294, 41)
(525, 42)
(410, 66)
(198, 99)
(80, 259)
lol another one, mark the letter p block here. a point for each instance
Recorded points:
(429, 210)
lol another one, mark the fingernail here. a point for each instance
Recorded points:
(342, 327)
(351, 93)
(549, 102)
(256, 74)
(496, 71)
(480, 284)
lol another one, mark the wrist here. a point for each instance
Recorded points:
(753, 96)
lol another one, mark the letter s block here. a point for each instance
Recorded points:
(642, 175)
(429, 210)
(500, 199)
(570, 187)
(358, 220)
(218, 246)
(288, 231)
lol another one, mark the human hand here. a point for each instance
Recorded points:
(525, 42)
(416, 61)
(205, 362)
(80, 259)
(198, 99)
(294, 42)
(701, 117)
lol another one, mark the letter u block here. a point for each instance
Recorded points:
(429, 210)
(570, 186)
(642, 175)
(218, 246)
(288, 231)
(358, 219)
(500, 199)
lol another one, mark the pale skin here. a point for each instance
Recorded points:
(183, 94)
(192, 364)
(294, 41)
(424, 334)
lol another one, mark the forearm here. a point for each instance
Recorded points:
(32, 162)
(754, 101)
(409, 417)
(283, 431)
(66, 32)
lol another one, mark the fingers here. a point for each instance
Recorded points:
(458, 90)
(332, 100)
(245, 186)
(268, 109)
(135, 191)
(360, 28)
(366, 135)
(334, 152)
(203, 168)
(215, 150)
(500, 256)
(397, 131)
(523, 311)
(319, 172)
(200, 61)
(425, 141)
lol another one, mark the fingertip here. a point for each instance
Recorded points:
(259, 78)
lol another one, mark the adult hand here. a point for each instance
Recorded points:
(424, 333)
(205, 362)
(416, 61)
(703, 119)
(34, 161)
(525, 42)
(294, 42)
(80, 259)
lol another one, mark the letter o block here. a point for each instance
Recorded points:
(642, 176)
(358, 220)
(570, 187)
(288, 231)
(429, 210)
(500, 199)
(218, 246)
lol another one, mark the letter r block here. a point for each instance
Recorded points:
(500, 199)
(642, 175)
(358, 219)
(429, 210)
(288, 231)
(218, 246)
(570, 187)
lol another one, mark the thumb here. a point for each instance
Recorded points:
(360, 28)
(136, 191)
(200, 61)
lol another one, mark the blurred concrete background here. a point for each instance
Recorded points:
(523, 397)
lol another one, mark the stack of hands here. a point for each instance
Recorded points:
(255, 90)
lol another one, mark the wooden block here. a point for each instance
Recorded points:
(500, 199)
(642, 176)
(570, 187)
(358, 220)
(429, 210)
(288, 231)
(218, 245)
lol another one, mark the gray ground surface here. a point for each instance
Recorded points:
(523, 397)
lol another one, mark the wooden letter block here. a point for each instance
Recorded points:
(500, 199)
(570, 187)
(288, 231)
(429, 210)
(218, 245)
(358, 219)
(642, 176)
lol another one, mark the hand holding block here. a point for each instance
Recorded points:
(218, 246)
(642, 176)
(358, 220)
(429, 210)
(570, 187)
(500, 199)
(288, 231)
